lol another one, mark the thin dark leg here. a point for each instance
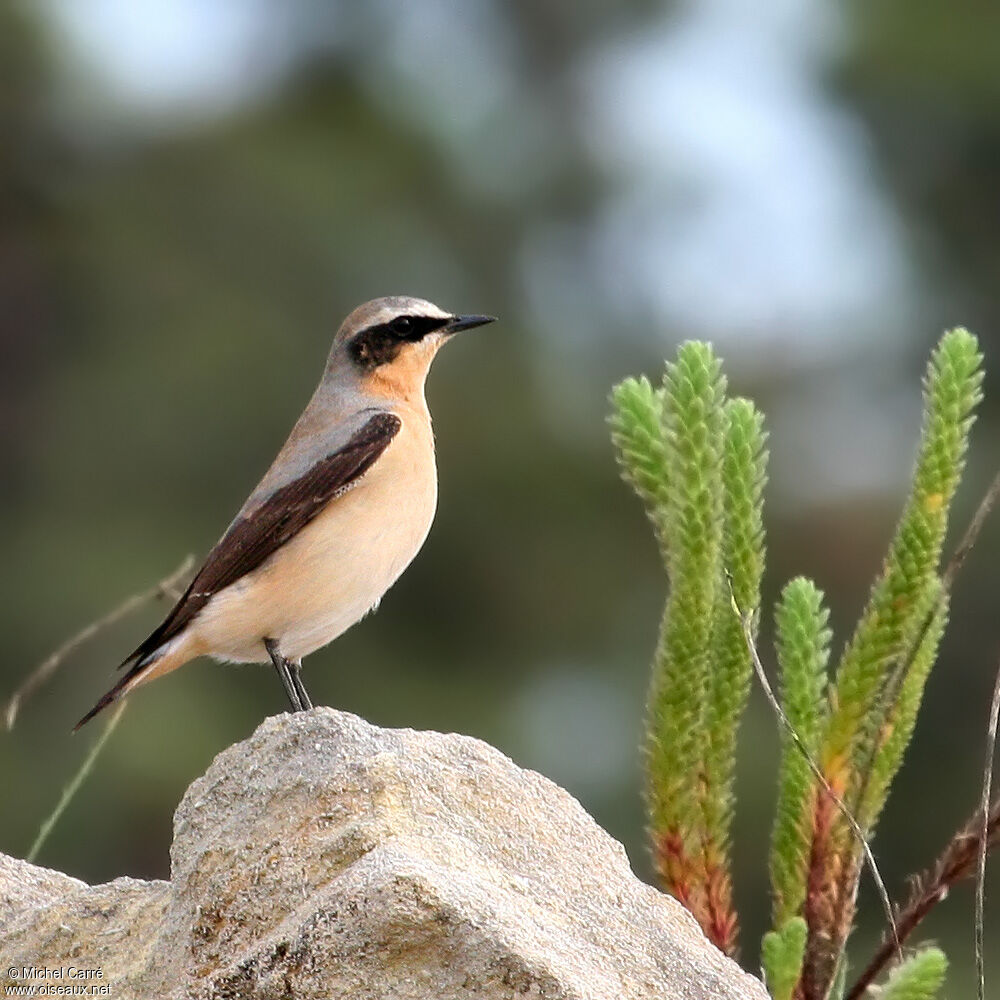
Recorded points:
(281, 665)
(295, 666)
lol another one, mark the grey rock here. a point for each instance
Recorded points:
(49, 920)
(324, 857)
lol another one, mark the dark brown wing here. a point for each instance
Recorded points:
(251, 539)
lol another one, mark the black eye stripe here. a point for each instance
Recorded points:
(378, 345)
(412, 327)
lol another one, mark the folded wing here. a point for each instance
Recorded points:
(253, 537)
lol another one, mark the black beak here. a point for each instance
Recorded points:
(457, 323)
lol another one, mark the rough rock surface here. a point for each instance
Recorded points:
(324, 857)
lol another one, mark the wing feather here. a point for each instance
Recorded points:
(255, 536)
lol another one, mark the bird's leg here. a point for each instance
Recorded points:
(284, 672)
(295, 667)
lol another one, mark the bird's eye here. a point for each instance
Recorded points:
(402, 325)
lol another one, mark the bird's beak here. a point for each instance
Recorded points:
(457, 323)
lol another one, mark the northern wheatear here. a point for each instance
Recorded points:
(336, 519)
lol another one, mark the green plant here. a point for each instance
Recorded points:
(918, 978)
(698, 462)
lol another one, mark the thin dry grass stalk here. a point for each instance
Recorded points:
(957, 862)
(971, 535)
(846, 888)
(984, 832)
(165, 588)
(74, 786)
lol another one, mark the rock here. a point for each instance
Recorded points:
(324, 857)
(50, 920)
(26, 887)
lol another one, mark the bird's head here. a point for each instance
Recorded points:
(387, 345)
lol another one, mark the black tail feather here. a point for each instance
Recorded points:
(117, 691)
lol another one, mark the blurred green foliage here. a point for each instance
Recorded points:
(919, 977)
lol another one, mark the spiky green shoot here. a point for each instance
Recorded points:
(803, 647)
(900, 716)
(744, 465)
(880, 679)
(918, 978)
(692, 522)
(781, 954)
(637, 434)
(698, 463)
(951, 392)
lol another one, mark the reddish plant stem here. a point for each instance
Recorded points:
(721, 922)
(957, 862)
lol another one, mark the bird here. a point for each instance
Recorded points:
(339, 515)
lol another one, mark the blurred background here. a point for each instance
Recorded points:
(194, 192)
